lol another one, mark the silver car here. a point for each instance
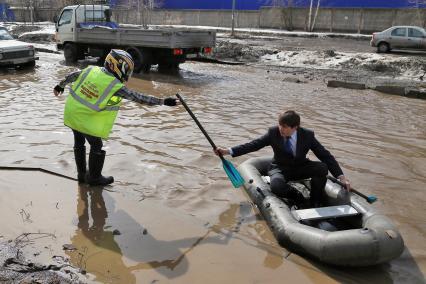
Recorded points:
(14, 52)
(399, 37)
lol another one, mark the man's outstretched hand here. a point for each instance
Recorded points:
(346, 182)
(170, 101)
(221, 151)
(58, 90)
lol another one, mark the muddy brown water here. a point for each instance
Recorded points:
(172, 215)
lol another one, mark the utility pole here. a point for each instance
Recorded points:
(315, 17)
(32, 12)
(139, 17)
(233, 18)
(310, 16)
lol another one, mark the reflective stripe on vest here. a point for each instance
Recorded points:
(95, 107)
(92, 107)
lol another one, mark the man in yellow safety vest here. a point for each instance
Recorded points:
(92, 106)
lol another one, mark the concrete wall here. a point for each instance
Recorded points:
(218, 18)
(336, 20)
(341, 20)
(39, 15)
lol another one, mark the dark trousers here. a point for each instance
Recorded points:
(80, 139)
(316, 171)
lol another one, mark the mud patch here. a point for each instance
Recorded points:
(17, 267)
(37, 37)
(228, 50)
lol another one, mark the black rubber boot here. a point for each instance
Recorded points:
(80, 161)
(96, 163)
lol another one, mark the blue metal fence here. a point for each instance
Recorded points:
(6, 15)
(256, 4)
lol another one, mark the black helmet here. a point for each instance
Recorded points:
(120, 63)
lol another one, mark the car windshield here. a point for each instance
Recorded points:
(4, 35)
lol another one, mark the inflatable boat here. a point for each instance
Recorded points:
(346, 231)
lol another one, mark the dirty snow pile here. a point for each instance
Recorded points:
(238, 50)
(413, 68)
(45, 34)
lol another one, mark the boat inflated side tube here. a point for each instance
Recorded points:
(376, 241)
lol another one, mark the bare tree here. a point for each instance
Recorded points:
(29, 8)
(311, 22)
(316, 14)
(145, 8)
(421, 17)
(286, 12)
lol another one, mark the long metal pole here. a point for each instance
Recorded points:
(32, 12)
(233, 17)
(310, 16)
(316, 14)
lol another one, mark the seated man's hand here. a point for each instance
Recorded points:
(58, 90)
(221, 151)
(345, 181)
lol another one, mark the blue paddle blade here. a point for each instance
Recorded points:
(371, 199)
(235, 177)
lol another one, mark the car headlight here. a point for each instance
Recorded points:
(1, 55)
(31, 52)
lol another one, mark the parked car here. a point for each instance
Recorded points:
(399, 37)
(14, 52)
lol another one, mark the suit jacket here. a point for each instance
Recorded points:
(305, 141)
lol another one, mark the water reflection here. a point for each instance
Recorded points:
(256, 234)
(381, 274)
(97, 251)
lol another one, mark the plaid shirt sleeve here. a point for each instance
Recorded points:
(138, 97)
(70, 78)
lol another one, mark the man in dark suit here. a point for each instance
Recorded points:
(290, 144)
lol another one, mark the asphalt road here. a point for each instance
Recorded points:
(282, 42)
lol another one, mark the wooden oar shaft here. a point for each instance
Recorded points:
(235, 177)
(197, 122)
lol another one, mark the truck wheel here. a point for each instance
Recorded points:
(70, 52)
(383, 47)
(167, 67)
(80, 53)
(142, 59)
(101, 59)
(145, 68)
(30, 64)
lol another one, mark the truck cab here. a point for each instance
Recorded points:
(72, 17)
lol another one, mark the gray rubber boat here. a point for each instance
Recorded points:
(346, 232)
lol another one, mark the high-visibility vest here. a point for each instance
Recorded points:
(91, 107)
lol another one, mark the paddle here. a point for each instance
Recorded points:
(370, 199)
(235, 177)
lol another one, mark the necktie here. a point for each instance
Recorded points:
(288, 146)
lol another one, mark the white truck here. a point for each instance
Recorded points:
(88, 30)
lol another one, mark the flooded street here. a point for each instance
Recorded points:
(172, 215)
